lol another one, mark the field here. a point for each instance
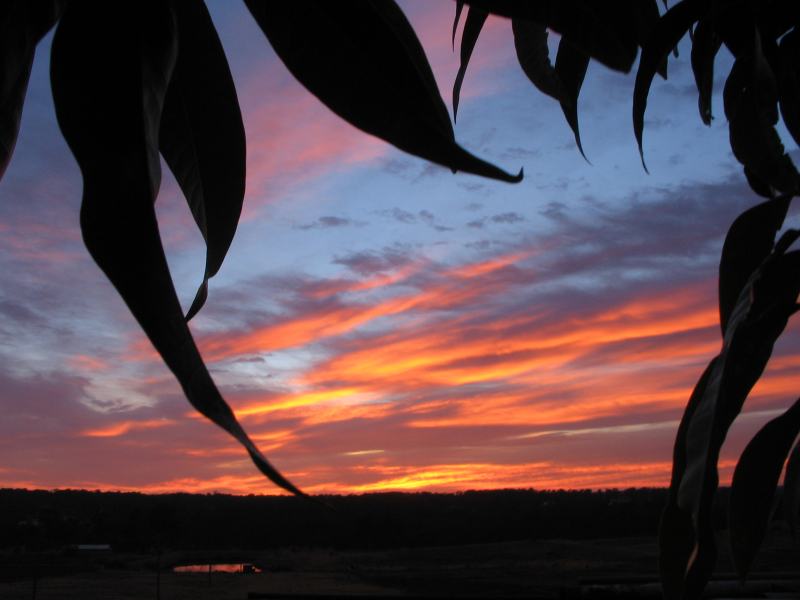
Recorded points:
(531, 569)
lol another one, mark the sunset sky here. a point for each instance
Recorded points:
(380, 323)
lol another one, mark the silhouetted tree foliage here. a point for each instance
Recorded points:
(134, 79)
(759, 276)
(140, 523)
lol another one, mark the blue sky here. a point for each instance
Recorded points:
(381, 323)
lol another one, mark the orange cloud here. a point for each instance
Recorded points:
(450, 291)
(331, 288)
(489, 476)
(123, 427)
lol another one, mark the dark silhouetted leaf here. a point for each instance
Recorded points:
(111, 124)
(776, 17)
(676, 535)
(751, 106)
(571, 65)
(705, 46)
(604, 31)
(762, 310)
(472, 29)
(530, 42)
(749, 241)
(703, 559)
(202, 136)
(789, 83)
(665, 36)
(791, 491)
(676, 542)
(459, 9)
(735, 23)
(788, 237)
(22, 24)
(758, 185)
(335, 48)
(754, 483)
(647, 16)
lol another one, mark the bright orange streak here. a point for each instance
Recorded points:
(485, 476)
(470, 271)
(297, 400)
(433, 356)
(378, 281)
(489, 476)
(438, 478)
(312, 327)
(123, 427)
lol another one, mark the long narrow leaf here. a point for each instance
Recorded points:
(647, 17)
(676, 535)
(22, 24)
(472, 29)
(754, 483)
(530, 43)
(705, 46)
(364, 62)
(791, 491)
(664, 37)
(604, 31)
(776, 17)
(111, 124)
(789, 83)
(749, 241)
(764, 306)
(202, 136)
(570, 68)
(751, 106)
(459, 10)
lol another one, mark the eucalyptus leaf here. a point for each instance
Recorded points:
(761, 313)
(202, 136)
(459, 10)
(530, 43)
(22, 24)
(604, 31)
(672, 26)
(472, 29)
(334, 48)
(751, 106)
(705, 46)
(111, 124)
(755, 481)
(570, 68)
(647, 16)
(676, 534)
(750, 239)
(791, 491)
(788, 76)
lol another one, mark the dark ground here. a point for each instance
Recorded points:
(530, 569)
(511, 543)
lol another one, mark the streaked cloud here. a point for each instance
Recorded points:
(380, 324)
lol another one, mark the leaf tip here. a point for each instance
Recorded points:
(641, 156)
(199, 301)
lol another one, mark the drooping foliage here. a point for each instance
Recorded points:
(166, 89)
(759, 276)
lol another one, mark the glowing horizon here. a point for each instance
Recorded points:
(381, 324)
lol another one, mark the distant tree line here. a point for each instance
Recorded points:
(44, 520)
